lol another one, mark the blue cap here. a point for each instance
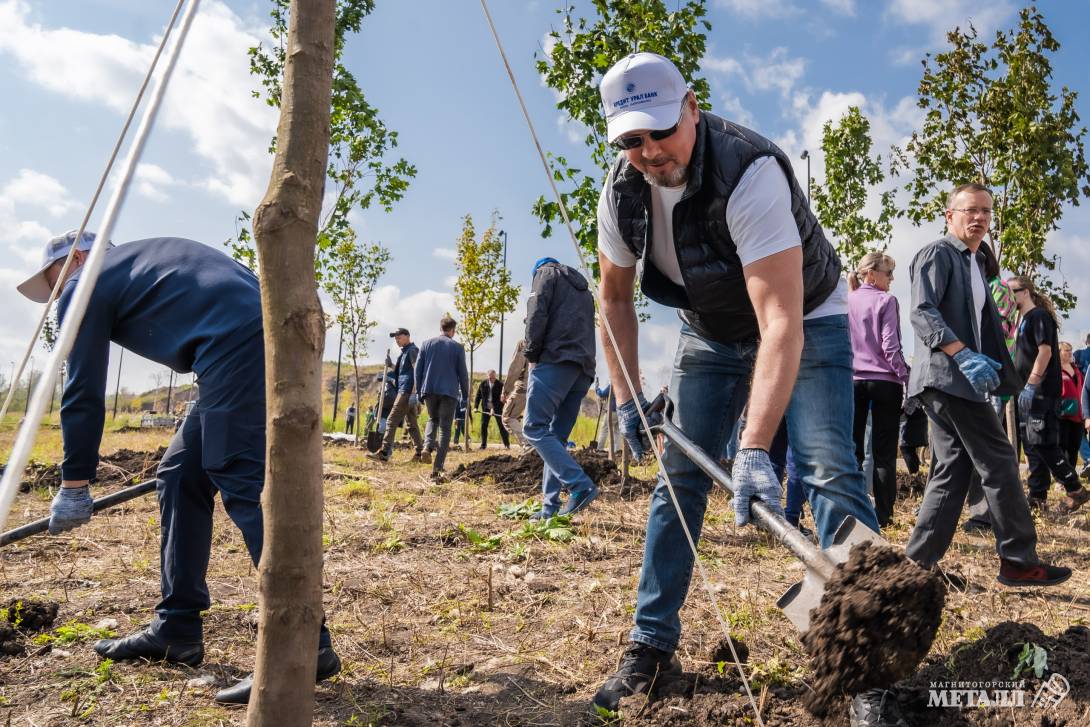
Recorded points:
(541, 262)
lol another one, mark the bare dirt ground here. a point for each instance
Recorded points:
(446, 613)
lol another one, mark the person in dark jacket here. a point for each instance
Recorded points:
(489, 403)
(711, 216)
(188, 306)
(560, 345)
(961, 357)
(1037, 357)
(441, 378)
(404, 375)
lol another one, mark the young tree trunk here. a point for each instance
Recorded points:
(469, 401)
(285, 230)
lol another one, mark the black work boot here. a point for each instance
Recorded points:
(876, 708)
(329, 664)
(147, 645)
(642, 668)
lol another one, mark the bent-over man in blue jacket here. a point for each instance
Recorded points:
(184, 305)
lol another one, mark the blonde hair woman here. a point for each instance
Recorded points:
(879, 372)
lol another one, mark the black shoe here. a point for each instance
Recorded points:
(642, 667)
(328, 665)
(876, 708)
(146, 645)
(1039, 574)
(976, 525)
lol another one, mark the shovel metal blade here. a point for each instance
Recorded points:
(804, 596)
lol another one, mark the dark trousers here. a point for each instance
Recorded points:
(1044, 455)
(1071, 436)
(398, 412)
(966, 435)
(484, 429)
(437, 433)
(882, 399)
(349, 423)
(220, 447)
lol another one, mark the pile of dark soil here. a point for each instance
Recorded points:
(695, 700)
(909, 485)
(991, 660)
(119, 468)
(877, 619)
(22, 616)
(523, 472)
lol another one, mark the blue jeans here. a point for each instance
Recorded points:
(709, 388)
(552, 406)
(796, 493)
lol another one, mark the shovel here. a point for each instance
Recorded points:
(374, 436)
(820, 564)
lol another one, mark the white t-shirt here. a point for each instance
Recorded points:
(758, 216)
(980, 294)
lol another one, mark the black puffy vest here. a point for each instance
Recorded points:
(714, 300)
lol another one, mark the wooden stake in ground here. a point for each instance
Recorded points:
(285, 229)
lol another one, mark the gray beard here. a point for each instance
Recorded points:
(674, 179)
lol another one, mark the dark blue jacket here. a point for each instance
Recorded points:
(441, 368)
(176, 302)
(404, 368)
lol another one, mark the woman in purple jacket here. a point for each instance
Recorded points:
(880, 372)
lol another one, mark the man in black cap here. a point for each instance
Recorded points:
(404, 374)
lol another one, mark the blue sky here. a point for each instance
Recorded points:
(71, 67)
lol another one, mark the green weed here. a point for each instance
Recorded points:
(557, 529)
(73, 632)
(518, 511)
(1032, 658)
(479, 543)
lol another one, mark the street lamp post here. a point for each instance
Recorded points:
(503, 234)
(806, 156)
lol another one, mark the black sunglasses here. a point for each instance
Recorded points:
(1017, 290)
(626, 143)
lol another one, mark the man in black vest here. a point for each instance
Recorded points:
(712, 216)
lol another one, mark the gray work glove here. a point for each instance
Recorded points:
(981, 371)
(754, 477)
(1025, 399)
(628, 419)
(72, 507)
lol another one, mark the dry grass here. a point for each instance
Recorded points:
(432, 630)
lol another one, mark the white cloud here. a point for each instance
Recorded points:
(776, 71)
(151, 179)
(209, 98)
(40, 191)
(446, 253)
(941, 16)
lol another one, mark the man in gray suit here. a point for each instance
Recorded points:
(961, 357)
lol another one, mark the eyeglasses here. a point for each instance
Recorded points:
(973, 211)
(635, 141)
(1017, 290)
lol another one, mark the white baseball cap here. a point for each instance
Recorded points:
(36, 287)
(642, 91)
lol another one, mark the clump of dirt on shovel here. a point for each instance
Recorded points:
(523, 472)
(875, 624)
(20, 616)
